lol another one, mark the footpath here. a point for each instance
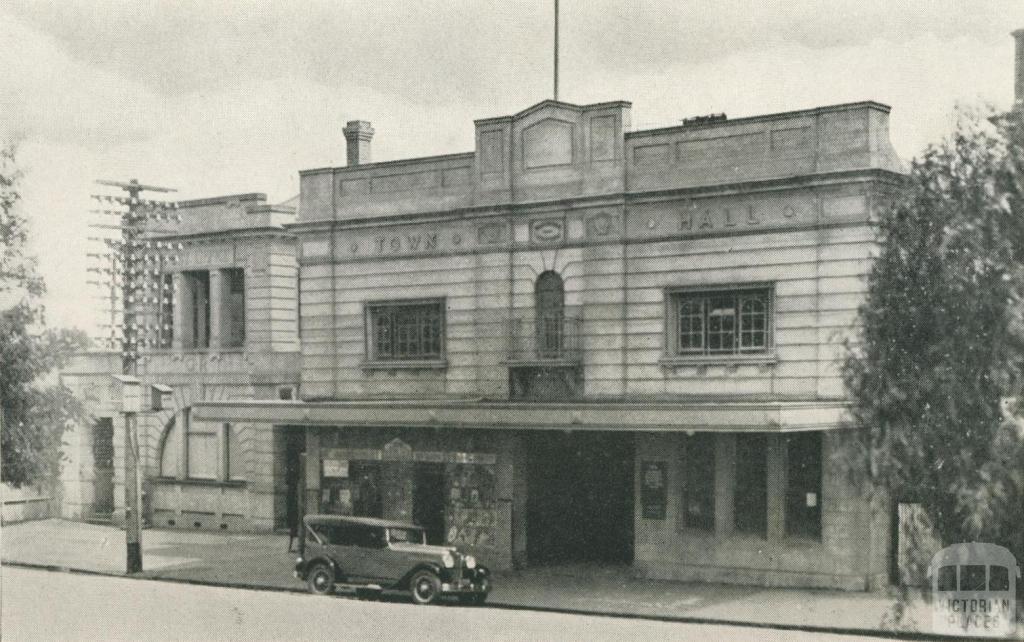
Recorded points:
(262, 561)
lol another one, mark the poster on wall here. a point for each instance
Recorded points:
(335, 468)
(653, 492)
(471, 516)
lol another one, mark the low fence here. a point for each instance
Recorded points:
(25, 504)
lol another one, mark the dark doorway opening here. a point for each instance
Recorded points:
(428, 497)
(580, 497)
(293, 471)
(367, 500)
(103, 468)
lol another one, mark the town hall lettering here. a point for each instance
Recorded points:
(707, 219)
(419, 242)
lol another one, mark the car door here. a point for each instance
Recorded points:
(347, 552)
(378, 559)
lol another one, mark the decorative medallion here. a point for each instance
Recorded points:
(490, 233)
(600, 225)
(547, 231)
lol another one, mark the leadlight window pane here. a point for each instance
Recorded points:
(691, 324)
(753, 321)
(407, 331)
(722, 323)
(382, 333)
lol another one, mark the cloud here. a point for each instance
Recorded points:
(47, 93)
(439, 50)
(217, 98)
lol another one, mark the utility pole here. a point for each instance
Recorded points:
(135, 272)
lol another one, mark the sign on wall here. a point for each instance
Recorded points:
(335, 468)
(653, 489)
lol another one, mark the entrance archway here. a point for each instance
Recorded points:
(580, 497)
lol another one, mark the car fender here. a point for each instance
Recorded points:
(321, 559)
(422, 566)
(481, 571)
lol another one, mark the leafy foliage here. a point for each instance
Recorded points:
(943, 339)
(17, 271)
(33, 416)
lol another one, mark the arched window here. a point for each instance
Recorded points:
(169, 449)
(549, 298)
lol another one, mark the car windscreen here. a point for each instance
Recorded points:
(406, 535)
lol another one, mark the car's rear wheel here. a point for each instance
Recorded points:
(320, 579)
(425, 587)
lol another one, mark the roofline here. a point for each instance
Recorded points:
(813, 111)
(390, 163)
(217, 200)
(558, 103)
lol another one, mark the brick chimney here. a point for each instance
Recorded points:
(358, 134)
(1018, 72)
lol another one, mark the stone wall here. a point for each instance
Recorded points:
(851, 553)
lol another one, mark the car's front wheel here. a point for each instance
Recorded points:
(425, 587)
(320, 579)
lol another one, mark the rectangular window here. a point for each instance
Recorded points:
(197, 299)
(699, 482)
(712, 323)
(408, 331)
(972, 577)
(803, 484)
(202, 453)
(214, 452)
(947, 578)
(750, 501)
(234, 307)
(998, 578)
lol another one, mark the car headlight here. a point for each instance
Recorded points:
(298, 560)
(470, 561)
(448, 560)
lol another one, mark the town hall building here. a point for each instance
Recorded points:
(578, 342)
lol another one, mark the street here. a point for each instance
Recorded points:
(44, 605)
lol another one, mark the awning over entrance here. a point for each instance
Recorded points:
(776, 417)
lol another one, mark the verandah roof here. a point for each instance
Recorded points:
(774, 417)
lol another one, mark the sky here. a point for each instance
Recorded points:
(219, 98)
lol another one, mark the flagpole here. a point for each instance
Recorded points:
(556, 49)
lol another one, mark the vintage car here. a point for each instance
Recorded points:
(378, 554)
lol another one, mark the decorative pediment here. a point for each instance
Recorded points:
(548, 143)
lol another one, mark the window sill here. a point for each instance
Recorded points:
(405, 364)
(699, 360)
(233, 483)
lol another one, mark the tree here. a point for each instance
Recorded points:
(943, 339)
(33, 416)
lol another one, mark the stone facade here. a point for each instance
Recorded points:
(622, 233)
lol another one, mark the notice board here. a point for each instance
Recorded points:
(653, 489)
